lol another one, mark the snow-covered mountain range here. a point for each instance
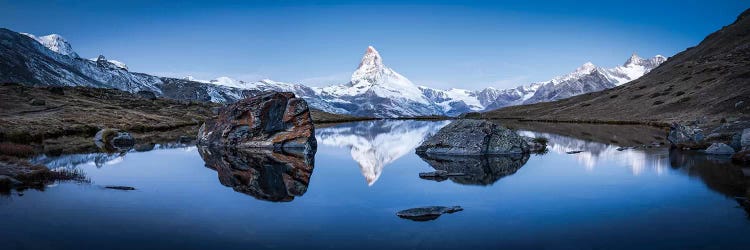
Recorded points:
(374, 89)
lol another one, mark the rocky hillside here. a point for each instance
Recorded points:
(709, 80)
(35, 114)
(32, 114)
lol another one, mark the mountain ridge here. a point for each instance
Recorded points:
(374, 90)
(707, 83)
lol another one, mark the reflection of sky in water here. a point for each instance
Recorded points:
(598, 199)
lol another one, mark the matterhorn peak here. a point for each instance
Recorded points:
(371, 67)
(371, 58)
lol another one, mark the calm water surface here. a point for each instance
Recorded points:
(346, 196)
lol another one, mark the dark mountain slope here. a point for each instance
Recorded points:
(711, 80)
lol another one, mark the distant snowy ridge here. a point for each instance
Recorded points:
(374, 90)
(377, 90)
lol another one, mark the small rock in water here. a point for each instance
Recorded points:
(719, 149)
(686, 136)
(573, 152)
(120, 187)
(745, 138)
(625, 148)
(739, 104)
(427, 213)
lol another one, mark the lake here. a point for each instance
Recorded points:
(346, 196)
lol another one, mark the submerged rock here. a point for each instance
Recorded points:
(261, 173)
(745, 139)
(686, 136)
(112, 140)
(476, 170)
(427, 213)
(719, 149)
(126, 188)
(474, 137)
(536, 145)
(271, 120)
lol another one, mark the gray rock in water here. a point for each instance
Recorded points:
(574, 152)
(114, 140)
(474, 137)
(686, 136)
(126, 188)
(745, 138)
(720, 149)
(427, 213)
(537, 145)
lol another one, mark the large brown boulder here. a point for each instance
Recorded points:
(271, 120)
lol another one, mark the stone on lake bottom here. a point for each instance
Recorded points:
(427, 213)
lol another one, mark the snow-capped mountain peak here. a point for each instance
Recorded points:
(633, 60)
(56, 43)
(102, 59)
(376, 88)
(371, 60)
(585, 69)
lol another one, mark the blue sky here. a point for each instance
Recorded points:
(466, 44)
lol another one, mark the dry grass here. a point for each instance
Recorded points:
(17, 150)
(320, 117)
(81, 111)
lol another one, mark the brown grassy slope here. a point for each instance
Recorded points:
(31, 114)
(703, 81)
(320, 117)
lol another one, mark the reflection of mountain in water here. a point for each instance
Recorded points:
(479, 170)
(263, 174)
(637, 160)
(71, 161)
(717, 172)
(375, 144)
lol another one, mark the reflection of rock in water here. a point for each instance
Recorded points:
(717, 172)
(263, 174)
(478, 170)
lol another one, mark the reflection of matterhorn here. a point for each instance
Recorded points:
(377, 143)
